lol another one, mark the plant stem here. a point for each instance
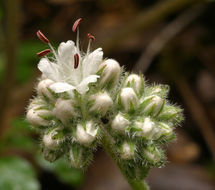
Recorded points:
(107, 142)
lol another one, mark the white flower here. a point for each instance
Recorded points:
(86, 134)
(71, 69)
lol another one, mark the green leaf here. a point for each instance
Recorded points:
(17, 173)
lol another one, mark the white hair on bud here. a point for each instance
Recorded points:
(102, 103)
(128, 97)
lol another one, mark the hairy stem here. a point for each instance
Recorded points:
(107, 142)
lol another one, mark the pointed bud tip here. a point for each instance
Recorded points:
(76, 24)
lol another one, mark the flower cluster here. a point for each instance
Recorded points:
(83, 98)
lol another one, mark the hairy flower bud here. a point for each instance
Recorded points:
(134, 81)
(127, 150)
(76, 156)
(152, 105)
(128, 99)
(164, 130)
(102, 102)
(145, 128)
(152, 154)
(110, 73)
(120, 123)
(38, 117)
(52, 139)
(64, 110)
(43, 88)
(86, 134)
(171, 113)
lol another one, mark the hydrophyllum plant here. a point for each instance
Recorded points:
(84, 101)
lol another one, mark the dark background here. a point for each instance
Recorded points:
(170, 41)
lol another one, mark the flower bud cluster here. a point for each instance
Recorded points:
(73, 117)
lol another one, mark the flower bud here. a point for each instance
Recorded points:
(152, 154)
(43, 88)
(128, 99)
(51, 155)
(102, 103)
(52, 139)
(110, 73)
(146, 128)
(76, 156)
(134, 81)
(152, 105)
(79, 157)
(159, 90)
(120, 123)
(164, 131)
(64, 110)
(38, 117)
(86, 134)
(127, 151)
(171, 113)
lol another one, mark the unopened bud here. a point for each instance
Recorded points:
(152, 154)
(134, 81)
(159, 90)
(64, 110)
(128, 99)
(43, 88)
(127, 150)
(79, 157)
(152, 105)
(164, 130)
(76, 156)
(110, 73)
(51, 155)
(86, 134)
(172, 113)
(52, 139)
(102, 102)
(38, 117)
(145, 128)
(120, 123)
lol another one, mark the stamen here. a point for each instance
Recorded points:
(42, 37)
(91, 38)
(76, 61)
(76, 27)
(43, 53)
(76, 24)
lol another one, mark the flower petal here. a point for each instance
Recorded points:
(59, 87)
(91, 62)
(83, 86)
(49, 69)
(66, 49)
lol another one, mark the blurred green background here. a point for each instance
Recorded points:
(170, 41)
